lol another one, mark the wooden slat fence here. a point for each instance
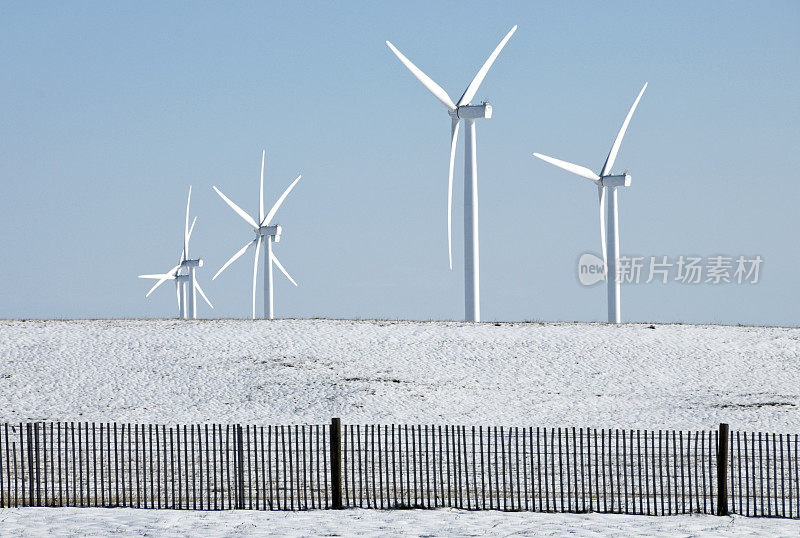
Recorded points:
(536, 469)
(198, 466)
(214, 467)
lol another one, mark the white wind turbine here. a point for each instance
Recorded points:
(463, 110)
(266, 233)
(183, 274)
(607, 184)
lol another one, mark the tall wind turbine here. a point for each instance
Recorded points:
(186, 286)
(607, 184)
(266, 234)
(463, 110)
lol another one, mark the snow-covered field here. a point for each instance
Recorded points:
(307, 371)
(102, 522)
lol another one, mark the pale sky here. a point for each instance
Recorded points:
(111, 110)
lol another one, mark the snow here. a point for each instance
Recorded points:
(307, 371)
(102, 522)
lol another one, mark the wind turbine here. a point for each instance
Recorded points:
(183, 274)
(607, 184)
(266, 234)
(463, 110)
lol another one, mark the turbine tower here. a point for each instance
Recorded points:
(607, 184)
(266, 234)
(186, 286)
(467, 112)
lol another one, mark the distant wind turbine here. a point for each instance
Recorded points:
(463, 110)
(266, 233)
(607, 184)
(183, 274)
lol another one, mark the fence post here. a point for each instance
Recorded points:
(336, 463)
(722, 471)
(240, 470)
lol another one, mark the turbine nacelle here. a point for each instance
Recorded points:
(471, 112)
(273, 231)
(192, 263)
(622, 180)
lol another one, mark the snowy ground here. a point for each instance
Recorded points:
(102, 522)
(306, 371)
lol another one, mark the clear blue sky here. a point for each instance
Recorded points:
(111, 110)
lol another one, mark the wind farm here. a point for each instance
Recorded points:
(372, 364)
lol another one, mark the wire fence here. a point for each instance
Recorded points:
(301, 467)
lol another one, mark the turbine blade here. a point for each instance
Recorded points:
(275, 207)
(255, 274)
(186, 225)
(426, 81)
(178, 293)
(261, 189)
(275, 259)
(191, 228)
(454, 125)
(234, 257)
(569, 167)
(239, 211)
(183, 256)
(472, 89)
(202, 294)
(612, 155)
(601, 194)
(163, 279)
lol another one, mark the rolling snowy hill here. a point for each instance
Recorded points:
(306, 371)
